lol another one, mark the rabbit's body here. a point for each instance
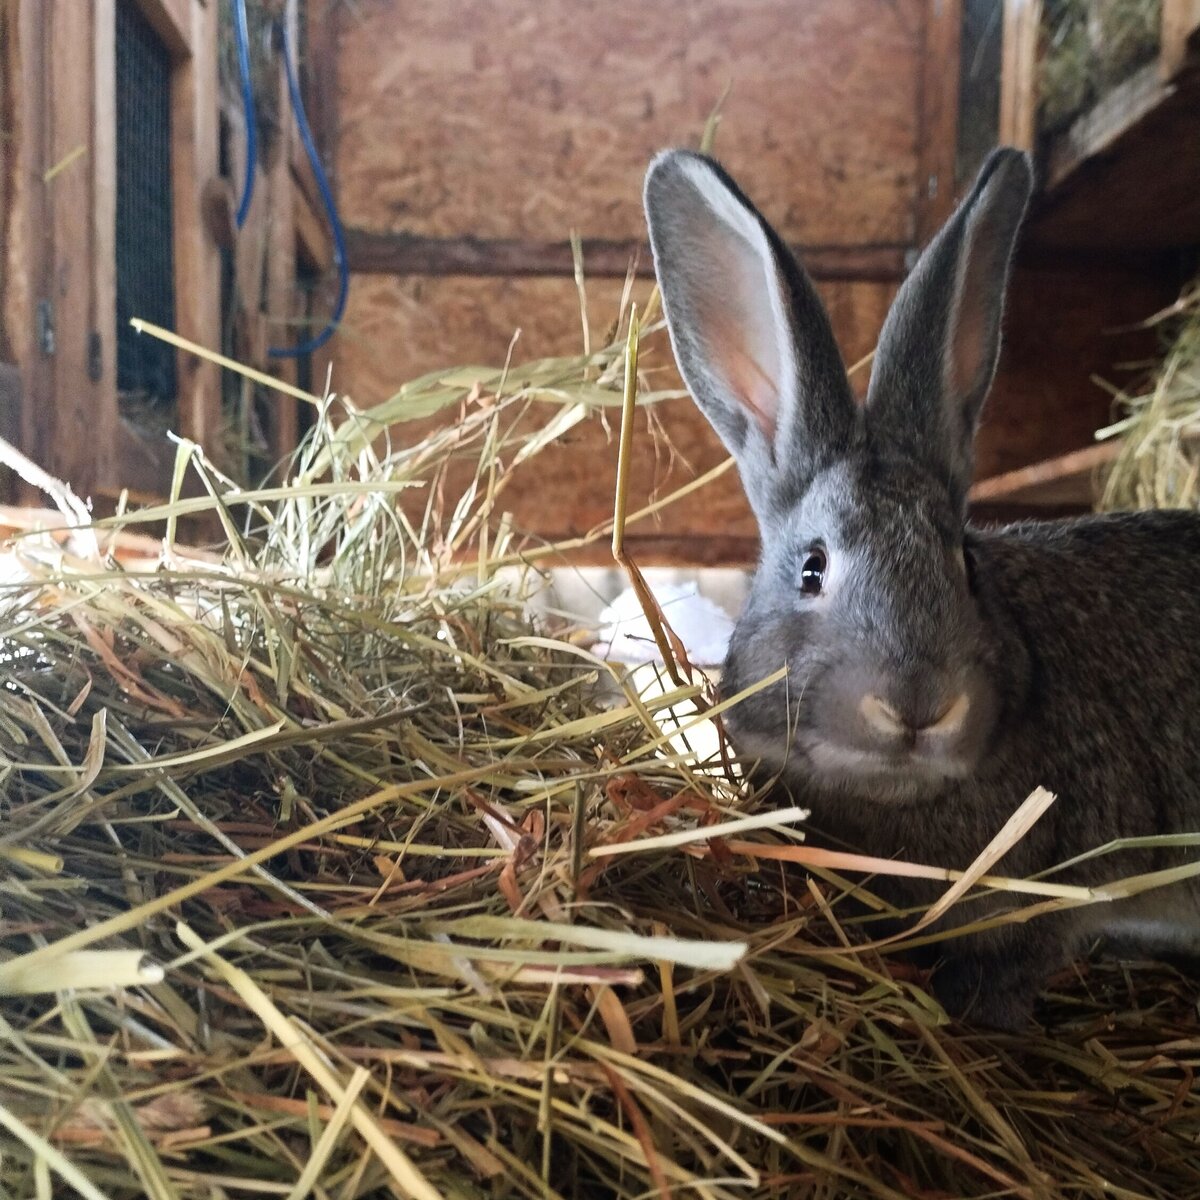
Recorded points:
(936, 674)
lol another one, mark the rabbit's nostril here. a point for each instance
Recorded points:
(952, 716)
(881, 715)
(885, 718)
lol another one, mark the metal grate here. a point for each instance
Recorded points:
(145, 259)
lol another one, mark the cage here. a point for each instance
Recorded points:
(144, 236)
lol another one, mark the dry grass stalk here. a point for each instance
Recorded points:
(1088, 46)
(1159, 461)
(435, 917)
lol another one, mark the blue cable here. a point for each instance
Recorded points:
(339, 240)
(242, 36)
(335, 221)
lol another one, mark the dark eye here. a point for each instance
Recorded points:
(812, 572)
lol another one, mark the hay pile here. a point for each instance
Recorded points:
(1087, 47)
(325, 873)
(1158, 465)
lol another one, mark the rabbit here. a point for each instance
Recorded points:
(937, 673)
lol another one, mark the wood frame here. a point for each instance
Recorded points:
(942, 39)
(371, 252)
(1178, 39)
(1018, 73)
(59, 298)
(189, 29)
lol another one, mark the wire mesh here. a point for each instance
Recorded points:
(145, 258)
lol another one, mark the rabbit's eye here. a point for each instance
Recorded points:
(812, 572)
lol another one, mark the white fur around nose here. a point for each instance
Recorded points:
(951, 721)
(881, 715)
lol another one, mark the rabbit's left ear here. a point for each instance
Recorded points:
(939, 347)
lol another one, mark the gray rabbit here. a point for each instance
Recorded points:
(937, 673)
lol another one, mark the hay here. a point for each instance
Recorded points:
(1088, 46)
(1158, 465)
(395, 903)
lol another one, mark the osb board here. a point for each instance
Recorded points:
(399, 328)
(1066, 323)
(534, 117)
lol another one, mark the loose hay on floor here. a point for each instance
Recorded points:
(350, 818)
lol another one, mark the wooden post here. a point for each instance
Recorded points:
(196, 161)
(1018, 73)
(1180, 36)
(939, 115)
(74, 422)
(102, 323)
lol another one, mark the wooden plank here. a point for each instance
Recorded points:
(1180, 43)
(172, 21)
(194, 163)
(314, 243)
(942, 38)
(1119, 176)
(416, 254)
(1018, 74)
(10, 423)
(25, 227)
(396, 329)
(74, 424)
(532, 118)
(320, 95)
(1069, 479)
(1065, 326)
(102, 323)
(282, 307)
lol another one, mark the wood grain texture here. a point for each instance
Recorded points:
(533, 117)
(1063, 326)
(1019, 73)
(605, 258)
(1180, 35)
(74, 430)
(1125, 176)
(941, 47)
(396, 329)
(195, 161)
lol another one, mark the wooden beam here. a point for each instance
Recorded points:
(1064, 481)
(10, 423)
(195, 161)
(314, 244)
(1180, 41)
(172, 21)
(375, 253)
(73, 418)
(1018, 74)
(942, 38)
(102, 324)
(25, 228)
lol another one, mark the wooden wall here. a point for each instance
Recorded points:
(482, 133)
(472, 137)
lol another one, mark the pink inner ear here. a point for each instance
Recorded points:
(749, 383)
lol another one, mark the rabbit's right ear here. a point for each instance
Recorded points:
(751, 337)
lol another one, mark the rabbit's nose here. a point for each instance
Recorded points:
(886, 719)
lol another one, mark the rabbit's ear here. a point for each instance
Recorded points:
(750, 335)
(938, 349)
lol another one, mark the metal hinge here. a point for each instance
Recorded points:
(45, 326)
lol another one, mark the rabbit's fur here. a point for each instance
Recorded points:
(939, 673)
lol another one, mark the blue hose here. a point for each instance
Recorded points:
(242, 36)
(335, 222)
